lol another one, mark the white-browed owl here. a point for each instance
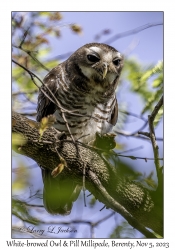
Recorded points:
(85, 84)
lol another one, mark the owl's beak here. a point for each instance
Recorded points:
(105, 70)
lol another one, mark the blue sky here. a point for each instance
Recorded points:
(150, 41)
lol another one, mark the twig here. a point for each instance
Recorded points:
(134, 115)
(103, 219)
(137, 136)
(139, 117)
(156, 109)
(144, 133)
(131, 32)
(153, 140)
(28, 52)
(102, 208)
(24, 37)
(135, 133)
(131, 150)
(137, 157)
(34, 205)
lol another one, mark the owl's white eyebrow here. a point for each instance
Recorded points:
(118, 55)
(95, 49)
(95, 53)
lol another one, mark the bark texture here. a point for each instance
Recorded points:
(139, 206)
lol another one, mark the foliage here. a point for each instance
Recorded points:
(45, 123)
(31, 35)
(147, 82)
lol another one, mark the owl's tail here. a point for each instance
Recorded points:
(59, 193)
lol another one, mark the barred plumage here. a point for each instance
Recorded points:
(84, 85)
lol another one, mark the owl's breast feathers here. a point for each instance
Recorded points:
(91, 109)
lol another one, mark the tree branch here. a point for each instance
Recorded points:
(153, 141)
(132, 32)
(137, 136)
(134, 202)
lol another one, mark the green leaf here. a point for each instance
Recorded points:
(45, 123)
(44, 13)
(146, 82)
(92, 202)
(18, 139)
(43, 52)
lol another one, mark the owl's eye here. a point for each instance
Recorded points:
(93, 58)
(116, 62)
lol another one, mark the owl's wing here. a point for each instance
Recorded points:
(59, 193)
(114, 114)
(45, 106)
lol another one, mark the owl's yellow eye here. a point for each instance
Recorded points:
(116, 62)
(93, 58)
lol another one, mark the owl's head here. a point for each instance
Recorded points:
(99, 63)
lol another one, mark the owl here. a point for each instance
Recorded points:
(84, 86)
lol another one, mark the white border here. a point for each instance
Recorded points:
(5, 95)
